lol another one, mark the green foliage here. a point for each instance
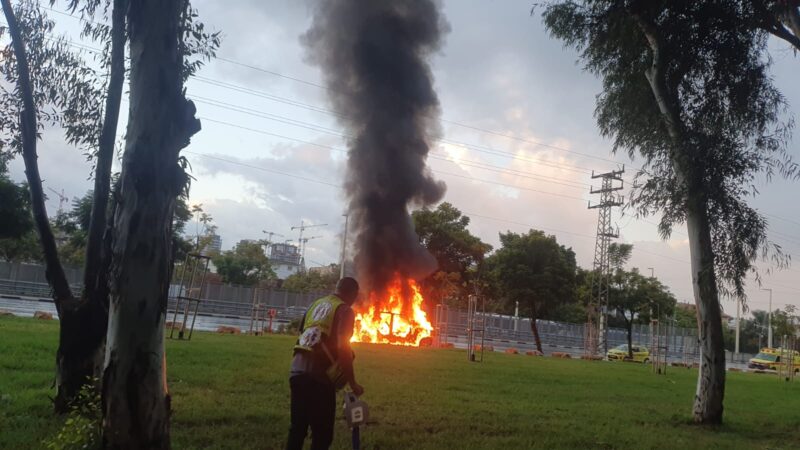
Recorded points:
(784, 323)
(246, 264)
(82, 428)
(619, 254)
(65, 87)
(443, 231)
(227, 388)
(15, 209)
(685, 317)
(315, 281)
(535, 270)
(23, 249)
(636, 298)
(721, 125)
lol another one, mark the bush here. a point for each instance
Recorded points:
(81, 430)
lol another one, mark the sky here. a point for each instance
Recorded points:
(270, 154)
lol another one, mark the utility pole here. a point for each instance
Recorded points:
(597, 320)
(769, 319)
(653, 276)
(344, 245)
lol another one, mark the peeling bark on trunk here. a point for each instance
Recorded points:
(535, 331)
(84, 324)
(136, 405)
(711, 378)
(710, 392)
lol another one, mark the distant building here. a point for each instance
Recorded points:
(324, 270)
(284, 259)
(214, 245)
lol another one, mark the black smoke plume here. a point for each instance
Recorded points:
(374, 55)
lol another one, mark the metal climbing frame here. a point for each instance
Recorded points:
(659, 347)
(190, 291)
(786, 368)
(476, 328)
(261, 315)
(441, 315)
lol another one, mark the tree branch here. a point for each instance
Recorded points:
(95, 278)
(54, 271)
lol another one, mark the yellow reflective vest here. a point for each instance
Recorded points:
(318, 322)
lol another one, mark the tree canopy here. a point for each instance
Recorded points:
(312, 281)
(686, 86)
(245, 264)
(535, 270)
(15, 209)
(637, 299)
(443, 231)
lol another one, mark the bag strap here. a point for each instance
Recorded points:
(327, 352)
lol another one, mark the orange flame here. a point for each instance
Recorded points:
(395, 319)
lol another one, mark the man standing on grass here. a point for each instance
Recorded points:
(322, 363)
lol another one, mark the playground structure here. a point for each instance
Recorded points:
(440, 319)
(788, 358)
(590, 337)
(659, 347)
(476, 328)
(190, 293)
(261, 316)
(691, 355)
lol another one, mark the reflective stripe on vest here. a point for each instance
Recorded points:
(318, 322)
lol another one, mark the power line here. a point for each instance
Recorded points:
(451, 122)
(329, 147)
(471, 146)
(313, 127)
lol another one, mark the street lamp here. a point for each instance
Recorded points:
(769, 319)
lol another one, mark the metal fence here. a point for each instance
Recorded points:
(234, 303)
(510, 330)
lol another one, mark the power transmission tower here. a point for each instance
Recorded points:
(596, 332)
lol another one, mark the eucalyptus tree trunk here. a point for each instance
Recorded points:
(71, 372)
(535, 330)
(136, 404)
(710, 391)
(84, 323)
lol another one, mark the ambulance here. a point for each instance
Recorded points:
(770, 359)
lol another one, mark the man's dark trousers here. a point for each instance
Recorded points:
(313, 405)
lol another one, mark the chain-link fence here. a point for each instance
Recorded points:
(232, 304)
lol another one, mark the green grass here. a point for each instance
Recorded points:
(232, 392)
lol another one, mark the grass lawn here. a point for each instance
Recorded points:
(232, 392)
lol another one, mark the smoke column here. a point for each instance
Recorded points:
(374, 57)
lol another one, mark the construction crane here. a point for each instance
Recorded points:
(62, 199)
(303, 243)
(303, 227)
